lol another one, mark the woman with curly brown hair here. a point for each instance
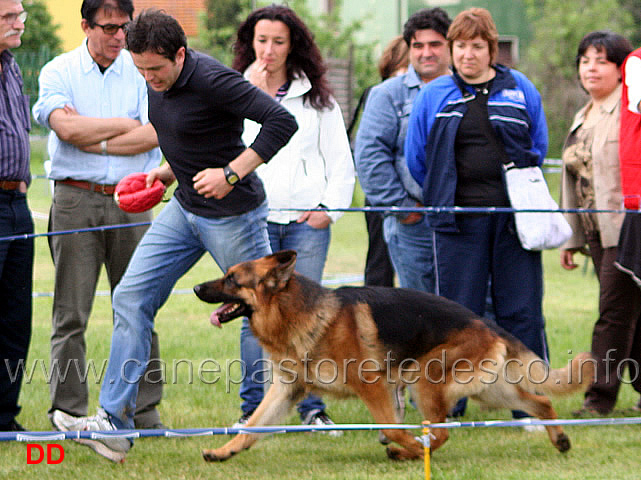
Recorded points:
(276, 52)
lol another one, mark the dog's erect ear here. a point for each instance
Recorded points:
(284, 263)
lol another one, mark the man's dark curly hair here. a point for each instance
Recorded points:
(304, 56)
(157, 32)
(435, 19)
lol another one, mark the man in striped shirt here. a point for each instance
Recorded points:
(16, 256)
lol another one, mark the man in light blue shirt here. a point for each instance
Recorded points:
(95, 102)
(379, 150)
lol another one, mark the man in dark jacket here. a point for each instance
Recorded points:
(197, 107)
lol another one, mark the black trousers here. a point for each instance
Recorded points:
(378, 266)
(16, 280)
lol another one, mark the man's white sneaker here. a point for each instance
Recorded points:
(63, 422)
(319, 417)
(242, 421)
(533, 428)
(112, 448)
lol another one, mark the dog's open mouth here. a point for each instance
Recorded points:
(233, 306)
(229, 311)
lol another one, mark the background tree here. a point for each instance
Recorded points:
(40, 43)
(219, 23)
(338, 40)
(40, 32)
(633, 8)
(557, 28)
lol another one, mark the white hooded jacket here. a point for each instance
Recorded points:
(315, 167)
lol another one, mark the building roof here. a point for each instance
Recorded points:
(185, 11)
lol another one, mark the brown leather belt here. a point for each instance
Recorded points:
(92, 187)
(11, 185)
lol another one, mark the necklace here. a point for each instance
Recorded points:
(482, 88)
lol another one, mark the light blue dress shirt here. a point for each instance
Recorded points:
(74, 78)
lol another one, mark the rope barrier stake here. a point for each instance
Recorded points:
(426, 449)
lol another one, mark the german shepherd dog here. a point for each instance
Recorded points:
(368, 340)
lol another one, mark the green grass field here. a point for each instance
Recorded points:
(186, 336)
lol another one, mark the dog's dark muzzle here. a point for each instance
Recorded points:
(210, 292)
(233, 307)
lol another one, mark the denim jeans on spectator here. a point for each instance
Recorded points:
(175, 241)
(311, 245)
(411, 250)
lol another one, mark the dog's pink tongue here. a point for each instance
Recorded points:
(215, 321)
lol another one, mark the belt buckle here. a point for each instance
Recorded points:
(99, 188)
(9, 185)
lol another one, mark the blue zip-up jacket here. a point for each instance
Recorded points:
(515, 111)
(379, 150)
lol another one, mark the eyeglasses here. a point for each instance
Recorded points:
(112, 28)
(10, 18)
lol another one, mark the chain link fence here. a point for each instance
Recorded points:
(30, 63)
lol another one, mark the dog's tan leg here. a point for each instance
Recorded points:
(540, 406)
(278, 401)
(432, 404)
(509, 395)
(378, 400)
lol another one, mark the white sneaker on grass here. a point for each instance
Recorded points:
(534, 428)
(242, 421)
(112, 448)
(319, 417)
(63, 422)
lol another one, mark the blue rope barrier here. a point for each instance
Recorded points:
(26, 236)
(48, 436)
(443, 209)
(338, 280)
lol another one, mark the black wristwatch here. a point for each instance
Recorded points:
(231, 176)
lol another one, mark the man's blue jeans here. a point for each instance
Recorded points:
(175, 241)
(311, 245)
(411, 250)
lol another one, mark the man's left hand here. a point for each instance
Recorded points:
(211, 183)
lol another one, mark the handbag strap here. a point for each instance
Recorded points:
(485, 125)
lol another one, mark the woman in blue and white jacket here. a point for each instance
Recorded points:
(462, 128)
(315, 170)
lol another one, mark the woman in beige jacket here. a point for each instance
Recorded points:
(591, 180)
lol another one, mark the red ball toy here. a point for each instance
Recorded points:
(133, 196)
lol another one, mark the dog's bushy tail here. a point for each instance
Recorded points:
(537, 377)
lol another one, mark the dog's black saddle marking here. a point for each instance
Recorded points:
(409, 322)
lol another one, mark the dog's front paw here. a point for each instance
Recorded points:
(563, 443)
(395, 453)
(218, 455)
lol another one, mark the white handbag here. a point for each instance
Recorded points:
(527, 190)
